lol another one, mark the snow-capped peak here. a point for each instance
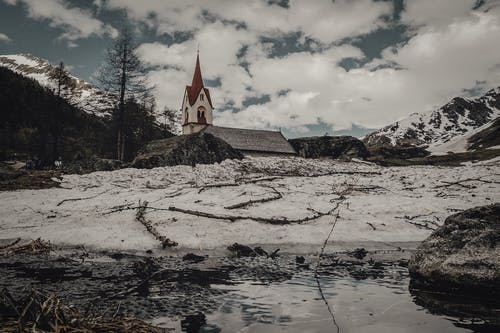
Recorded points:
(84, 95)
(456, 118)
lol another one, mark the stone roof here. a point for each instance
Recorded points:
(252, 140)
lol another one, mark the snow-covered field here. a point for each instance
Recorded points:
(376, 204)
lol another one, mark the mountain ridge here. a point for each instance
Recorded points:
(438, 127)
(84, 95)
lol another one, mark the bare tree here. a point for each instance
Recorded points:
(123, 74)
(63, 81)
(172, 119)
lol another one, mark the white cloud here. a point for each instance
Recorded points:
(4, 38)
(219, 45)
(435, 13)
(77, 23)
(326, 21)
(452, 47)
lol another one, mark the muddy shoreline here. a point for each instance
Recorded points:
(186, 291)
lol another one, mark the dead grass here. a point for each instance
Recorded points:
(41, 313)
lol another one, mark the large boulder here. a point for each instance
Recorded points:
(462, 256)
(329, 146)
(198, 148)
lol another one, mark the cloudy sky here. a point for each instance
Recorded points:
(307, 67)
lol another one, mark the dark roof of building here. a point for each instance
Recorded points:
(252, 140)
(194, 89)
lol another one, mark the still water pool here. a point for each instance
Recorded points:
(217, 292)
(355, 298)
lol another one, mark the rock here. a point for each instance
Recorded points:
(246, 251)
(260, 251)
(300, 259)
(241, 250)
(104, 164)
(8, 172)
(462, 256)
(329, 146)
(193, 257)
(359, 253)
(399, 152)
(167, 242)
(193, 323)
(197, 148)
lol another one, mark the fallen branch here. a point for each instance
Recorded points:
(120, 208)
(11, 244)
(140, 216)
(371, 225)
(205, 187)
(277, 196)
(259, 179)
(420, 225)
(78, 199)
(232, 218)
(460, 182)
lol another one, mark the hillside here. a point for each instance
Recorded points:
(441, 127)
(85, 96)
(35, 122)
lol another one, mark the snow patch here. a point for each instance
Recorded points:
(396, 204)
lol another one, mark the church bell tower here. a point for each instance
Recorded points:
(196, 106)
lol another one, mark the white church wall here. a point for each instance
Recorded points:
(192, 112)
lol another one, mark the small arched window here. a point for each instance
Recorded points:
(201, 115)
(201, 97)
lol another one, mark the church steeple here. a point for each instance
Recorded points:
(197, 79)
(197, 104)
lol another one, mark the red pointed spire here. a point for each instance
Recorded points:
(197, 79)
(197, 84)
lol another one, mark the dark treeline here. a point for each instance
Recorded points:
(36, 122)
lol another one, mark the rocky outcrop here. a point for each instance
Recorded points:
(489, 137)
(198, 148)
(399, 152)
(462, 256)
(329, 146)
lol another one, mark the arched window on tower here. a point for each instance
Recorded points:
(201, 97)
(201, 115)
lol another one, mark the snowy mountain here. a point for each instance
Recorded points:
(85, 96)
(445, 129)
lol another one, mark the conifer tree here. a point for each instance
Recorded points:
(64, 86)
(123, 74)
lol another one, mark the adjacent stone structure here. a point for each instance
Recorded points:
(197, 148)
(329, 146)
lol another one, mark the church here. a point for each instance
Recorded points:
(197, 116)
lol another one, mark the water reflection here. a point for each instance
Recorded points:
(477, 315)
(381, 304)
